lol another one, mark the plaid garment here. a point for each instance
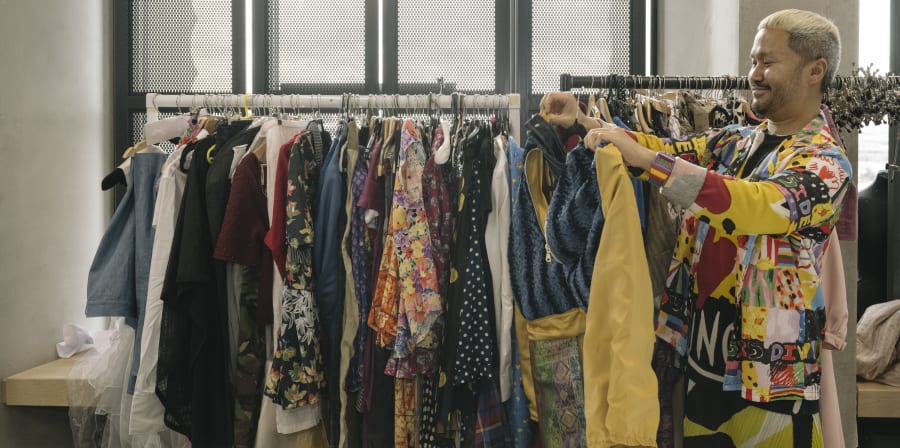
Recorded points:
(491, 428)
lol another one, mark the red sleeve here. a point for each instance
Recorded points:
(245, 224)
(242, 239)
(275, 239)
(372, 196)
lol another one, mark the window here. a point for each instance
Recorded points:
(364, 46)
(874, 49)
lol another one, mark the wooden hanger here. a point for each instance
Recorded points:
(209, 123)
(259, 149)
(648, 117)
(592, 106)
(132, 150)
(638, 111)
(389, 127)
(604, 110)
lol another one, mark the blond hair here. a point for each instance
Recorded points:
(811, 36)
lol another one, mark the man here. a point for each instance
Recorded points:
(742, 306)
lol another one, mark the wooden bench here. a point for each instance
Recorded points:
(44, 385)
(877, 400)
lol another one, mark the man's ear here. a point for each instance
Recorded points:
(817, 69)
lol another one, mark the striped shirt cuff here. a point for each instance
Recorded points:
(661, 168)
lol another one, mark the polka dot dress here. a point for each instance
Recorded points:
(475, 353)
(428, 437)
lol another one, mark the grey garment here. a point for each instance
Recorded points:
(877, 337)
(659, 241)
(234, 275)
(120, 273)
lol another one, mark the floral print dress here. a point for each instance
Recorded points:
(297, 374)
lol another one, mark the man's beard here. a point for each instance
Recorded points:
(758, 109)
(761, 108)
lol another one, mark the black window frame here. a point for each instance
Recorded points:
(512, 49)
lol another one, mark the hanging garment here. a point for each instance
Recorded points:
(574, 222)
(518, 407)
(469, 354)
(555, 319)
(119, 274)
(329, 272)
(376, 395)
(230, 136)
(877, 335)
(383, 314)
(496, 239)
(280, 135)
(361, 259)
(538, 280)
(440, 225)
(619, 379)
(349, 417)
(419, 304)
(218, 187)
(297, 375)
(836, 316)
(241, 242)
(476, 356)
(540, 290)
(192, 375)
(146, 410)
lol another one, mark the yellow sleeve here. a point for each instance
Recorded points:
(806, 193)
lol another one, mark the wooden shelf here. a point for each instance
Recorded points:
(44, 385)
(877, 400)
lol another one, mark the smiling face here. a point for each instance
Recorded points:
(776, 75)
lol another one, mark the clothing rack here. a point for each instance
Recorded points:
(427, 103)
(568, 82)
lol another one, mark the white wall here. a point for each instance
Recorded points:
(698, 38)
(55, 137)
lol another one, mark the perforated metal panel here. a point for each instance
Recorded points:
(181, 46)
(581, 37)
(316, 43)
(136, 132)
(449, 39)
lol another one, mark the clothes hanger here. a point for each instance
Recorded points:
(442, 155)
(117, 176)
(132, 150)
(345, 114)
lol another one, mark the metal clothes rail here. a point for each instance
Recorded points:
(389, 103)
(568, 82)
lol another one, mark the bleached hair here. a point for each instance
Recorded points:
(811, 36)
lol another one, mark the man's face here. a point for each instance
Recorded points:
(775, 75)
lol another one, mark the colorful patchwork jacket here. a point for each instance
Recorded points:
(755, 243)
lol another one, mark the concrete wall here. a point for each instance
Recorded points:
(55, 134)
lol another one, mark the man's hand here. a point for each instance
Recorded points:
(633, 154)
(559, 108)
